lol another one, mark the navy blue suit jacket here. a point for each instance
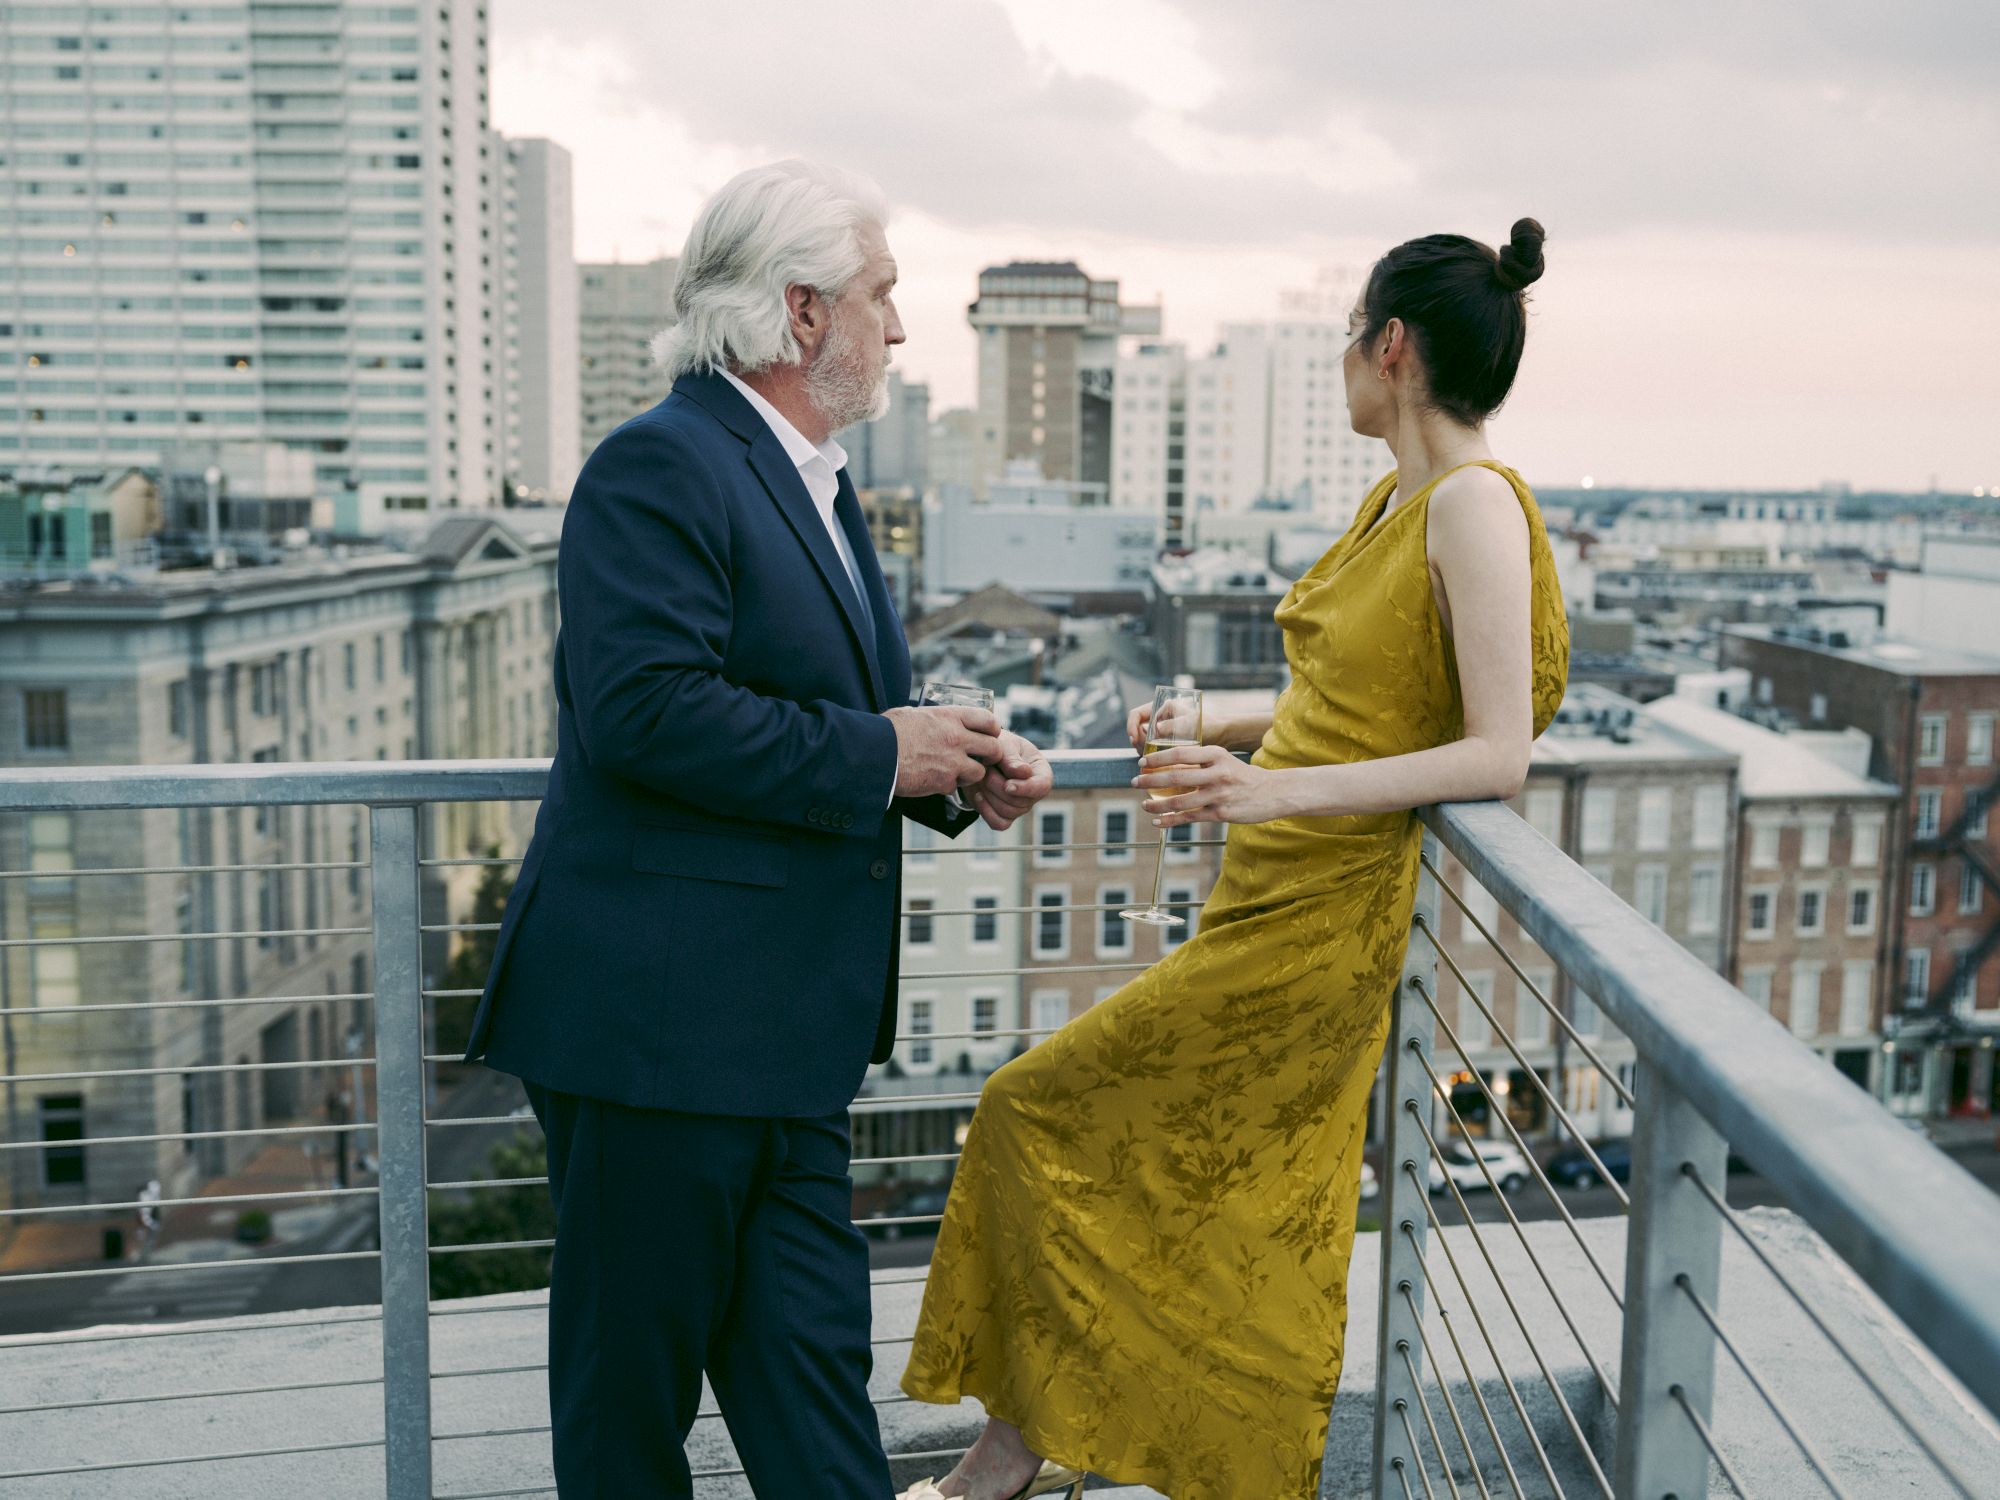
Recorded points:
(706, 917)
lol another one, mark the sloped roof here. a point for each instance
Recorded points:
(995, 607)
(457, 540)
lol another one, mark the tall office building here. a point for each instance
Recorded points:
(1267, 418)
(1048, 356)
(621, 307)
(538, 366)
(253, 221)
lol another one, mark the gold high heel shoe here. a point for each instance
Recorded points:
(1046, 1481)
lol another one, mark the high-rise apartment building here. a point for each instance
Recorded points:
(1148, 449)
(539, 324)
(262, 221)
(621, 307)
(1267, 418)
(1048, 357)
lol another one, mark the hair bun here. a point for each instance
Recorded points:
(1521, 258)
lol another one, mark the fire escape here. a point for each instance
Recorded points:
(1977, 853)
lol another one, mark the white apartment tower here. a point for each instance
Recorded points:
(1148, 444)
(254, 221)
(621, 307)
(539, 368)
(1267, 418)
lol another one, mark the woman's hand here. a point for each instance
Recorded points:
(1137, 723)
(1207, 784)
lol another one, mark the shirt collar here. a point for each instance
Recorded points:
(801, 449)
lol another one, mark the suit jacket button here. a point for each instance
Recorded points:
(812, 816)
(880, 869)
(847, 820)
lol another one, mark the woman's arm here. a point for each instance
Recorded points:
(1479, 561)
(1244, 733)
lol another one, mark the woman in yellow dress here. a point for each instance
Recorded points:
(1142, 1271)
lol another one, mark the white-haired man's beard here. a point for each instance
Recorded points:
(847, 382)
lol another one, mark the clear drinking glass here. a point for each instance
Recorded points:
(1176, 720)
(954, 695)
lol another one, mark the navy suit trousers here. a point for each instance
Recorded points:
(689, 1242)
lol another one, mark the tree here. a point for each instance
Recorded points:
(467, 970)
(483, 1216)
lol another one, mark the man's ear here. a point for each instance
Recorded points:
(809, 314)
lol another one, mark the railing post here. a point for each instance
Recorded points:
(1404, 1222)
(399, 1090)
(1674, 1236)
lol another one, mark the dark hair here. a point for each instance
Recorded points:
(1465, 311)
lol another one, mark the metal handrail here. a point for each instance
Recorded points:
(1841, 1160)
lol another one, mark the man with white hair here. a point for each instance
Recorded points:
(699, 958)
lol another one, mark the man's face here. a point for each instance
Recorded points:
(848, 375)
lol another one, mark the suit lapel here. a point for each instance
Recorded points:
(780, 477)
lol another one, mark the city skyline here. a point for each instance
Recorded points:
(1727, 203)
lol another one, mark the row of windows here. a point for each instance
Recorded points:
(1810, 911)
(1806, 979)
(1603, 810)
(1934, 732)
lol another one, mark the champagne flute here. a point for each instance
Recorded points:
(1175, 720)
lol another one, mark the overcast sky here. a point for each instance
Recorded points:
(1774, 244)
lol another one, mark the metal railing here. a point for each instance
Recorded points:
(1453, 1398)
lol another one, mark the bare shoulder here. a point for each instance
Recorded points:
(1475, 509)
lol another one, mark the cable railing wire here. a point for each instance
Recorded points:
(1437, 1443)
(1464, 1364)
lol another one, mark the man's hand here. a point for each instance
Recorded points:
(1021, 778)
(939, 750)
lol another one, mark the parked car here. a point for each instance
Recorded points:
(923, 1199)
(1508, 1167)
(1574, 1169)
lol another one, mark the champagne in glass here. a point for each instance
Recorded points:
(1175, 720)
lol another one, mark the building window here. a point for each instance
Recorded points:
(1930, 739)
(1584, 1016)
(1052, 836)
(1600, 817)
(1816, 708)
(177, 709)
(1180, 901)
(381, 657)
(1115, 830)
(1545, 812)
(1764, 844)
(1923, 889)
(1805, 997)
(1857, 984)
(1711, 815)
(1649, 893)
(921, 851)
(1051, 924)
(1181, 847)
(985, 1014)
(1757, 984)
(61, 1120)
(985, 847)
(1531, 1018)
(45, 718)
(1473, 1029)
(1861, 909)
(1812, 910)
(1916, 977)
(922, 932)
(1975, 814)
(1704, 899)
(1971, 891)
(985, 921)
(1815, 840)
(1965, 984)
(1979, 739)
(1481, 906)
(1867, 850)
(922, 1024)
(1928, 804)
(1656, 806)
(1763, 912)
(347, 664)
(54, 970)
(1114, 933)
(1051, 1008)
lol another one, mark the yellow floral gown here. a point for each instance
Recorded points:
(1143, 1265)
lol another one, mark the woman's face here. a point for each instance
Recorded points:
(1368, 403)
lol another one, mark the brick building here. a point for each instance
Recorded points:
(1931, 710)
